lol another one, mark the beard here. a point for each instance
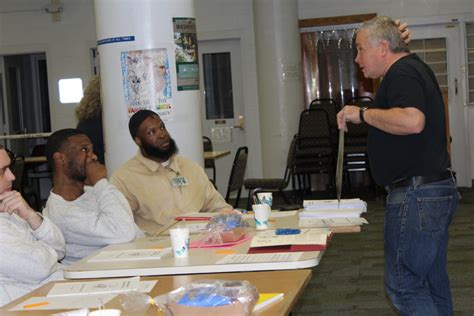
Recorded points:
(77, 171)
(162, 154)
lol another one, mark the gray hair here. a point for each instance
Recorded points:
(384, 28)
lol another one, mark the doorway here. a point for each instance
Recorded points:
(25, 108)
(439, 46)
(222, 102)
(24, 97)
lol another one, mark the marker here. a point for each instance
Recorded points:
(39, 304)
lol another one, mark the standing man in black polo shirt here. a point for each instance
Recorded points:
(408, 155)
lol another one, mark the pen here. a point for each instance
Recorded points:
(39, 304)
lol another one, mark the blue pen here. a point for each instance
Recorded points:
(287, 231)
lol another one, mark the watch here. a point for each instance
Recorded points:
(361, 114)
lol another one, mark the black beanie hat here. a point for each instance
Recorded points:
(137, 119)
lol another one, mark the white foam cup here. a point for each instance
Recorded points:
(180, 242)
(261, 213)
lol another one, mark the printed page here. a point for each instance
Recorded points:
(332, 222)
(133, 254)
(95, 287)
(64, 302)
(306, 237)
(261, 258)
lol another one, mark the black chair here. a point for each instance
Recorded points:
(331, 107)
(209, 163)
(20, 183)
(275, 184)
(237, 174)
(314, 152)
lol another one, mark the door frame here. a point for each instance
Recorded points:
(458, 118)
(238, 136)
(249, 94)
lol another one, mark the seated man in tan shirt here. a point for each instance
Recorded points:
(158, 183)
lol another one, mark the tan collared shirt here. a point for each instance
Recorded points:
(153, 198)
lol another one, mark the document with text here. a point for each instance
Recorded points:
(260, 258)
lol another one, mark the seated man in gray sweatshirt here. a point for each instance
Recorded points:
(90, 212)
(30, 245)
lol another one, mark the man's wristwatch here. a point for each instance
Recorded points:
(361, 114)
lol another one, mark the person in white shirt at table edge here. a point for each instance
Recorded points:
(30, 245)
(90, 212)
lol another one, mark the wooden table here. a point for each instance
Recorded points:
(215, 154)
(291, 283)
(200, 260)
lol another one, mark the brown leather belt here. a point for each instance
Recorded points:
(420, 180)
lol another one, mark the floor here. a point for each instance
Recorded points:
(349, 279)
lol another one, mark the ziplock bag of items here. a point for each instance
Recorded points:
(224, 228)
(210, 298)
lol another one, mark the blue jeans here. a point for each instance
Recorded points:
(416, 246)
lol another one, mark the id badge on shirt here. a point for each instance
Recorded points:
(179, 181)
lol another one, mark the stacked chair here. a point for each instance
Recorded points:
(331, 107)
(314, 151)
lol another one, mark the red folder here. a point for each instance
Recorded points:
(290, 248)
(287, 248)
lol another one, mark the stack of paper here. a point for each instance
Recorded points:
(346, 208)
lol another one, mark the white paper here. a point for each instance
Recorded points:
(261, 258)
(305, 237)
(345, 204)
(95, 287)
(332, 222)
(132, 254)
(78, 301)
(331, 213)
(273, 214)
(65, 302)
(147, 286)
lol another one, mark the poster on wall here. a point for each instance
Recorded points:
(147, 82)
(186, 52)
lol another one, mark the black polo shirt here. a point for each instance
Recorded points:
(409, 83)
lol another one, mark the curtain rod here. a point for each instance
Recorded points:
(330, 28)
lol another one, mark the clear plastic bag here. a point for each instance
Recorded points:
(224, 228)
(210, 298)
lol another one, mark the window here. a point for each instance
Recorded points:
(218, 86)
(433, 53)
